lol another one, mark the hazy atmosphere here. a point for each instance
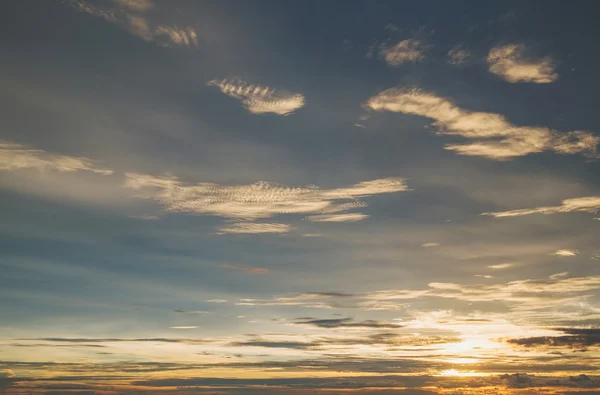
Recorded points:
(271, 197)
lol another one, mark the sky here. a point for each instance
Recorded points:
(270, 197)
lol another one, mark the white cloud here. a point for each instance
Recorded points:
(255, 228)
(429, 245)
(459, 56)
(590, 204)
(260, 200)
(16, 156)
(349, 217)
(566, 252)
(512, 64)
(135, 5)
(500, 266)
(216, 300)
(183, 327)
(260, 99)
(410, 50)
(130, 15)
(492, 135)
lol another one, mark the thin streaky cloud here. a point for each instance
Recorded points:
(566, 252)
(131, 16)
(410, 50)
(260, 99)
(512, 63)
(260, 200)
(254, 228)
(492, 135)
(429, 245)
(590, 204)
(500, 266)
(183, 327)
(246, 269)
(349, 217)
(16, 156)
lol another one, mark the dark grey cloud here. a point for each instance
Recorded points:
(574, 338)
(344, 323)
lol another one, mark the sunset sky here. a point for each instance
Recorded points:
(274, 197)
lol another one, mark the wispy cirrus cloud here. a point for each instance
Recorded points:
(430, 245)
(500, 266)
(16, 156)
(522, 295)
(512, 63)
(566, 252)
(254, 228)
(260, 99)
(246, 269)
(260, 200)
(590, 204)
(132, 15)
(344, 323)
(459, 56)
(493, 136)
(411, 50)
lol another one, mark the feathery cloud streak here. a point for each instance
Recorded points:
(260, 99)
(590, 204)
(512, 64)
(492, 135)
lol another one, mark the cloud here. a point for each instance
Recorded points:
(260, 99)
(183, 327)
(350, 217)
(458, 56)
(344, 323)
(574, 338)
(410, 50)
(522, 295)
(135, 5)
(512, 64)
(119, 340)
(500, 266)
(492, 135)
(247, 269)
(216, 300)
(131, 16)
(255, 228)
(260, 200)
(16, 156)
(590, 204)
(429, 245)
(566, 253)
(191, 311)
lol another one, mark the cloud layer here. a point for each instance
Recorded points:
(131, 15)
(16, 156)
(492, 135)
(512, 64)
(260, 99)
(260, 200)
(590, 204)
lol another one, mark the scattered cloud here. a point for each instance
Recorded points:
(183, 327)
(255, 228)
(522, 295)
(216, 300)
(459, 56)
(512, 63)
(411, 50)
(247, 269)
(429, 245)
(566, 252)
(350, 217)
(16, 156)
(492, 135)
(191, 311)
(590, 204)
(261, 200)
(131, 15)
(573, 338)
(500, 266)
(260, 99)
(344, 323)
